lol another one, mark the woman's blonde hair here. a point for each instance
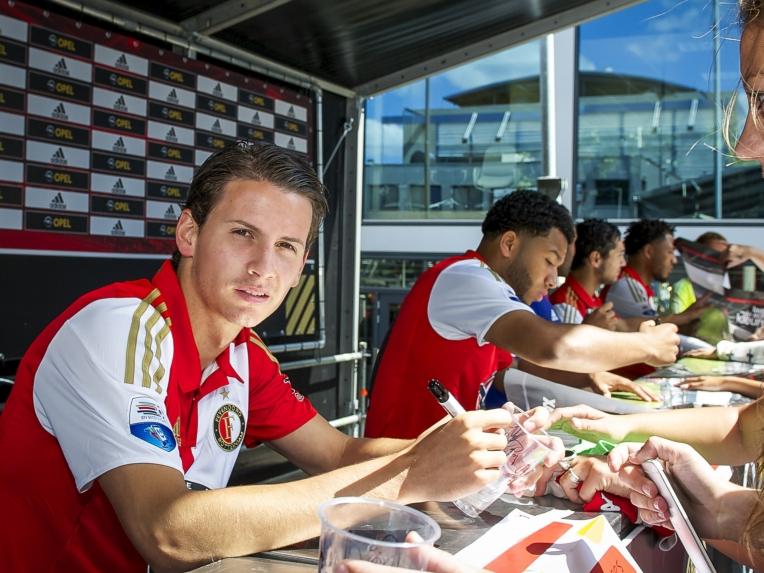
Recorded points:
(748, 12)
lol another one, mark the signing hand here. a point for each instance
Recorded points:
(604, 317)
(606, 382)
(663, 340)
(456, 458)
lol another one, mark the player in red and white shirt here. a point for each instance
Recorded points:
(649, 247)
(598, 261)
(129, 409)
(464, 315)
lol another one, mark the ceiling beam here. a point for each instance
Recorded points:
(228, 14)
(512, 37)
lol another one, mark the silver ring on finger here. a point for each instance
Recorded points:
(574, 477)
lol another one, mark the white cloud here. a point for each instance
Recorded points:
(585, 64)
(384, 142)
(517, 62)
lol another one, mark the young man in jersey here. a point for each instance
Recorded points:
(649, 247)
(598, 261)
(464, 317)
(130, 408)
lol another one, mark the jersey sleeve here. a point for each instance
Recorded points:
(276, 408)
(568, 313)
(100, 388)
(467, 298)
(630, 299)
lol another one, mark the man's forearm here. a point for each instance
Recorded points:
(258, 517)
(597, 350)
(362, 449)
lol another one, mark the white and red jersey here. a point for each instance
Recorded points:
(440, 333)
(572, 303)
(116, 380)
(631, 296)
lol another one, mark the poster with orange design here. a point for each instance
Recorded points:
(550, 542)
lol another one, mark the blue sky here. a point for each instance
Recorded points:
(664, 39)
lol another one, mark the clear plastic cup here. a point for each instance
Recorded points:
(524, 467)
(375, 531)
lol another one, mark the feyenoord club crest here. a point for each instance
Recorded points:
(228, 427)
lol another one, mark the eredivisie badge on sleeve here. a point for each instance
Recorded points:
(148, 422)
(228, 427)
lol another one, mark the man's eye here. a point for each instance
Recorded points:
(288, 246)
(243, 232)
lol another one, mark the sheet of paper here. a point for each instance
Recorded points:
(544, 543)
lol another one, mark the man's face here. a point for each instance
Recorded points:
(533, 269)
(249, 252)
(663, 260)
(612, 264)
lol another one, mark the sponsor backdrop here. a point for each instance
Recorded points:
(100, 135)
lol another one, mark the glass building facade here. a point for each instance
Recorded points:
(652, 85)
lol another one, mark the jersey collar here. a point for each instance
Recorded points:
(630, 272)
(588, 300)
(187, 370)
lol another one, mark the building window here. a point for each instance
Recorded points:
(449, 146)
(650, 105)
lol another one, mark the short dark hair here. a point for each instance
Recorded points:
(710, 237)
(594, 235)
(527, 212)
(644, 232)
(260, 162)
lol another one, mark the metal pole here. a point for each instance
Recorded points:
(322, 361)
(362, 392)
(427, 146)
(718, 165)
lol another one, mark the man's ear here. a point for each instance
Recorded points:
(648, 251)
(509, 243)
(186, 232)
(595, 259)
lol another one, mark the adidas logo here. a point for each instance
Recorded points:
(120, 104)
(171, 135)
(172, 97)
(59, 112)
(216, 127)
(59, 158)
(170, 213)
(121, 63)
(290, 144)
(60, 68)
(217, 90)
(119, 146)
(58, 202)
(118, 230)
(119, 187)
(170, 174)
(256, 119)
(290, 112)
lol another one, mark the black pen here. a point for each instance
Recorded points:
(444, 398)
